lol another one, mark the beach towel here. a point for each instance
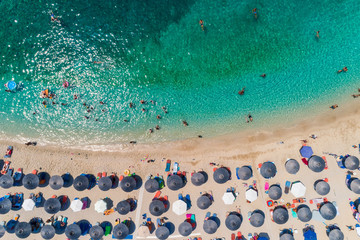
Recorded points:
(9, 152)
(266, 187)
(168, 165)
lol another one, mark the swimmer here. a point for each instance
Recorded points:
(53, 18)
(63, 104)
(158, 117)
(143, 109)
(101, 102)
(153, 102)
(254, 11)
(345, 69)
(317, 34)
(334, 106)
(76, 97)
(250, 117)
(88, 110)
(151, 130)
(96, 120)
(43, 94)
(185, 123)
(131, 105)
(97, 62)
(86, 117)
(103, 110)
(125, 120)
(53, 103)
(142, 101)
(66, 84)
(263, 75)
(201, 22)
(242, 91)
(157, 127)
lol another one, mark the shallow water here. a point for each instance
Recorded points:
(156, 50)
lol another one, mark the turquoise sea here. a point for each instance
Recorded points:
(156, 50)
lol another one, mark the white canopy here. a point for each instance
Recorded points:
(251, 194)
(28, 205)
(76, 205)
(228, 198)
(100, 206)
(298, 189)
(179, 207)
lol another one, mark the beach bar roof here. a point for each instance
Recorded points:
(6, 181)
(73, 231)
(292, 166)
(5, 205)
(257, 219)
(52, 205)
(120, 231)
(105, 183)
(152, 185)
(351, 162)
(233, 221)
(210, 226)
(336, 234)
(244, 173)
(298, 189)
(81, 183)
(328, 211)
(96, 232)
(280, 215)
(322, 187)
(221, 175)
(185, 229)
(56, 182)
(198, 178)
(268, 170)
(162, 232)
(23, 230)
(304, 213)
(156, 207)
(30, 181)
(47, 232)
(316, 163)
(275, 192)
(128, 184)
(203, 202)
(123, 207)
(174, 182)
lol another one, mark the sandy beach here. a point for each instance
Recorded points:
(337, 131)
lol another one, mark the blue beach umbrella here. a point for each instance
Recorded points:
(306, 151)
(310, 235)
(11, 85)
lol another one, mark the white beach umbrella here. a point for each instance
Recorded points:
(28, 204)
(100, 206)
(298, 189)
(179, 207)
(228, 198)
(76, 205)
(251, 194)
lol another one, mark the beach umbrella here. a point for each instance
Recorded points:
(198, 178)
(22, 229)
(228, 198)
(275, 192)
(328, 211)
(30, 181)
(221, 175)
(101, 206)
(316, 163)
(152, 185)
(162, 232)
(156, 207)
(306, 151)
(298, 189)
(6, 181)
(251, 194)
(28, 204)
(292, 166)
(5, 205)
(268, 170)
(280, 215)
(76, 205)
(174, 182)
(96, 232)
(203, 202)
(120, 231)
(233, 222)
(322, 187)
(210, 226)
(52, 205)
(351, 162)
(128, 184)
(81, 183)
(244, 173)
(257, 219)
(123, 207)
(105, 183)
(73, 231)
(56, 182)
(185, 229)
(355, 185)
(47, 232)
(336, 234)
(2, 231)
(287, 236)
(304, 213)
(143, 231)
(179, 207)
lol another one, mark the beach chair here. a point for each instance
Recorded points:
(192, 220)
(287, 187)
(326, 165)
(98, 176)
(158, 222)
(18, 200)
(239, 236)
(208, 214)
(10, 172)
(38, 199)
(157, 195)
(168, 165)
(5, 167)
(107, 230)
(18, 177)
(233, 236)
(357, 227)
(214, 215)
(104, 174)
(236, 171)
(188, 201)
(42, 178)
(305, 161)
(180, 197)
(266, 187)
(293, 213)
(9, 152)
(176, 168)
(35, 172)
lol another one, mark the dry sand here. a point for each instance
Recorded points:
(337, 131)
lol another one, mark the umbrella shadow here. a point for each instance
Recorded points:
(115, 181)
(138, 181)
(258, 211)
(170, 226)
(152, 227)
(2, 162)
(104, 224)
(132, 227)
(10, 226)
(349, 182)
(285, 231)
(92, 181)
(133, 204)
(216, 219)
(84, 226)
(65, 202)
(206, 176)
(44, 178)
(356, 203)
(264, 235)
(68, 180)
(109, 203)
